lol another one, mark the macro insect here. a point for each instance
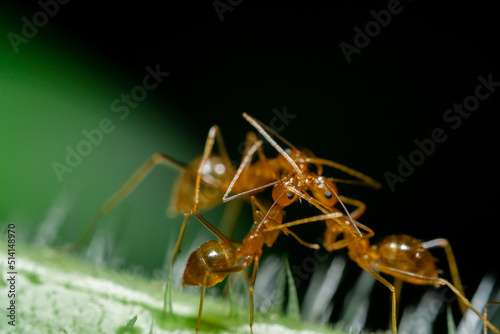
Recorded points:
(299, 181)
(213, 261)
(401, 256)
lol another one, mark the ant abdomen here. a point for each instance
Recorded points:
(407, 254)
(212, 255)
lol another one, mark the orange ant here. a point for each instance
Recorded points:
(400, 256)
(214, 260)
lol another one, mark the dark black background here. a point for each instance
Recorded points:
(364, 114)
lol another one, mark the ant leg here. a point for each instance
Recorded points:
(210, 227)
(393, 294)
(398, 284)
(435, 281)
(485, 314)
(302, 242)
(443, 243)
(122, 193)
(202, 295)
(360, 176)
(334, 215)
(252, 284)
(466, 302)
(202, 220)
(459, 294)
(245, 162)
(214, 135)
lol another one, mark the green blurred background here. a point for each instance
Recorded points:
(51, 92)
(262, 57)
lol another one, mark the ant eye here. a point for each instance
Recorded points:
(290, 195)
(328, 194)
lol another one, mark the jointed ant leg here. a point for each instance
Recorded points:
(213, 136)
(467, 303)
(258, 208)
(123, 192)
(202, 220)
(252, 284)
(435, 281)
(451, 263)
(398, 284)
(338, 244)
(360, 206)
(393, 294)
(202, 296)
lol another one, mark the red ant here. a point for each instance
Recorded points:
(400, 256)
(214, 260)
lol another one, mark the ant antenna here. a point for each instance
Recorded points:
(260, 127)
(348, 214)
(244, 163)
(286, 142)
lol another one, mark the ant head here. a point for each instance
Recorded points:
(324, 191)
(282, 195)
